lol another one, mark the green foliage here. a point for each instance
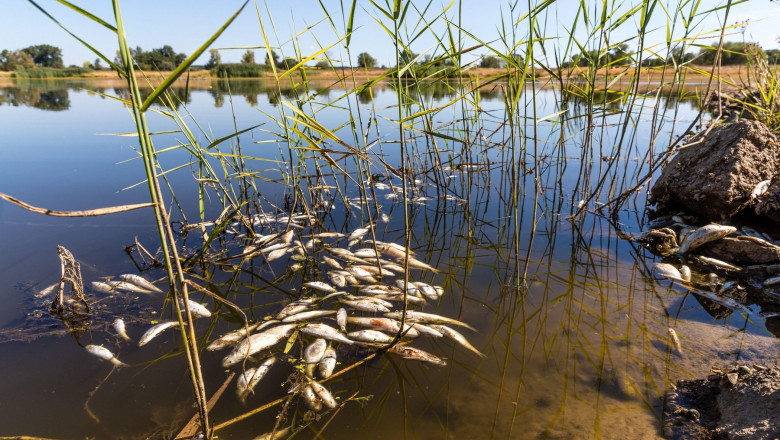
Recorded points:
(48, 72)
(45, 55)
(288, 63)
(248, 57)
(618, 55)
(322, 65)
(15, 60)
(274, 61)
(241, 70)
(365, 60)
(733, 53)
(772, 55)
(164, 58)
(215, 59)
(490, 62)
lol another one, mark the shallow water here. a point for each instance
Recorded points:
(580, 349)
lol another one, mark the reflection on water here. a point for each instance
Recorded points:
(575, 328)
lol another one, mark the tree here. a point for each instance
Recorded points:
(15, 60)
(164, 58)
(733, 53)
(45, 55)
(97, 64)
(215, 59)
(366, 61)
(288, 63)
(273, 59)
(490, 62)
(322, 64)
(248, 57)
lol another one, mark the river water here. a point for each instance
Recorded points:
(579, 347)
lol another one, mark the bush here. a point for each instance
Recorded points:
(241, 70)
(47, 72)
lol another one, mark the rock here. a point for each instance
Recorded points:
(748, 409)
(742, 250)
(716, 177)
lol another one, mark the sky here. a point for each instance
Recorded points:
(302, 25)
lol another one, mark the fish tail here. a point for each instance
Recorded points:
(117, 362)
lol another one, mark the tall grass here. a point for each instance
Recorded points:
(68, 72)
(511, 159)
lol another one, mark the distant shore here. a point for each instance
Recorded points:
(694, 77)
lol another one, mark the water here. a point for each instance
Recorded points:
(581, 349)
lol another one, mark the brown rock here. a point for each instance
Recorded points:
(768, 203)
(741, 250)
(716, 177)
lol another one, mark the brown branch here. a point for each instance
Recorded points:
(87, 213)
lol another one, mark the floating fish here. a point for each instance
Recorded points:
(234, 337)
(287, 237)
(314, 352)
(717, 263)
(413, 353)
(198, 310)
(126, 286)
(327, 363)
(427, 290)
(384, 324)
(278, 253)
(703, 235)
(256, 343)
(366, 253)
(140, 282)
(369, 336)
(667, 271)
(367, 306)
(457, 337)
(675, 341)
(323, 394)
(331, 262)
(341, 319)
(47, 291)
(295, 307)
(319, 285)
(325, 331)
(154, 331)
(105, 354)
(247, 380)
(311, 398)
(761, 188)
(357, 234)
(307, 315)
(338, 279)
(279, 434)
(119, 327)
(102, 287)
(427, 330)
(414, 316)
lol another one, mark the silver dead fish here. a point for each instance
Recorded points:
(154, 331)
(414, 316)
(128, 287)
(198, 310)
(369, 336)
(119, 327)
(667, 271)
(140, 282)
(327, 363)
(307, 315)
(408, 352)
(319, 285)
(323, 394)
(246, 382)
(341, 319)
(105, 354)
(326, 332)
(232, 338)
(702, 235)
(256, 343)
(457, 337)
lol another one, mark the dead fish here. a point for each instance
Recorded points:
(324, 395)
(399, 297)
(232, 338)
(457, 337)
(372, 299)
(366, 253)
(685, 272)
(328, 235)
(427, 290)
(408, 352)
(366, 306)
(256, 343)
(340, 252)
(427, 330)
(392, 249)
(314, 352)
(702, 235)
(311, 399)
(338, 279)
(331, 262)
(384, 324)
(417, 264)
(362, 274)
(246, 382)
(154, 331)
(327, 363)
(667, 271)
(119, 327)
(140, 282)
(128, 287)
(357, 234)
(761, 188)
(369, 336)
(410, 287)
(279, 434)
(319, 285)
(326, 332)
(295, 307)
(278, 253)
(414, 316)
(287, 237)
(105, 354)
(198, 310)
(48, 291)
(307, 315)
(675, 341)
(341, 319)
(102, 287)
(771, 281)
(717, 263)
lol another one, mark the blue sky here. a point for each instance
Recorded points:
(186, 24)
